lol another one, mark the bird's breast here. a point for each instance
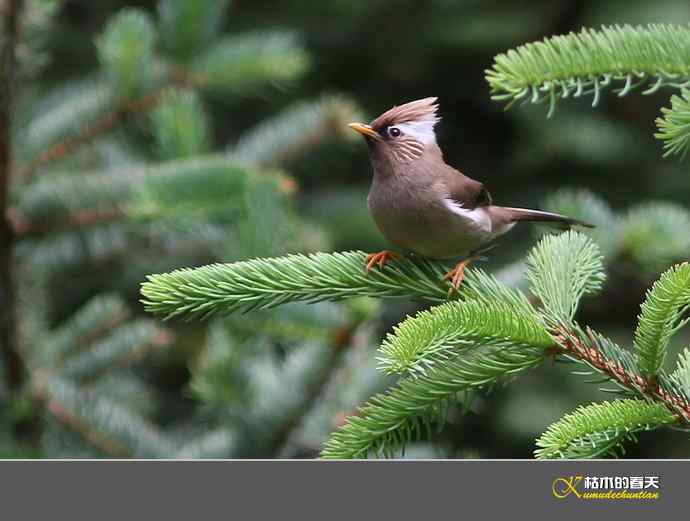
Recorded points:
(416, 218)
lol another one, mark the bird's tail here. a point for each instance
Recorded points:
(524, 214)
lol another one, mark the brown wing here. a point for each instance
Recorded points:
(467, 191)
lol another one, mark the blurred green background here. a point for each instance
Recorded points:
(274, 384)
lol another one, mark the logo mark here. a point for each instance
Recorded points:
(563, 487)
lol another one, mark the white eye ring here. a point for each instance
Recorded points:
(394, 132)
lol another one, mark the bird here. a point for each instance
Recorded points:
(423, 205)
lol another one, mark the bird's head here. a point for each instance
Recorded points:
(402, 134)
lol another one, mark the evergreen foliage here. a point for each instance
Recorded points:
(586, 62)
(561, 270)
(275, 140)
(125, 51)
(264, 283)
(600, 428)
(657, 222)
(119, 170)
(589, 62)
(187, 27)
(388, 421)
(681, 376)
(673, 125)
(662, 315)
(241, 64)
(442, 332)
(490, 333)
(645, 233)
(146, 139)
(180, 126)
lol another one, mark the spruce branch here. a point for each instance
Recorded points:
(585, 205)
(119, 348)
(486, 288)
(620, 367)
(65, 112)
(142, 191)
(264, 283)
(90, 323)
(294, 322)
(126, 53)
(294, 130)
(507, 337)
(238, 64)
(439, 334)
(648, 233)
(600, 429)
(674, 125)
(489, 333)
(98, 118)
(180, 126)
(561, 269)
(589, 207)
(187, 27)
(78, 219)
(662, 315)
(390, 420)
(590, 61)
(102, 422)
(681, 375)
(306, 372)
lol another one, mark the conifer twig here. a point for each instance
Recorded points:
(176, 76)
(72, 422)
(472, 344)
(101, 421)
(22, 228)
(104, 124)
(265, 283)
(588, 349)
(341, 342)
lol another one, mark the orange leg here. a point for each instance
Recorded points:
(380, 258)
(457, 274)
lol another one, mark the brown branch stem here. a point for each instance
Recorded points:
(80, 426)
(341, 342)
(23, 228)
(104, 124)
(570, 344)
(69, 420)
(108, 121)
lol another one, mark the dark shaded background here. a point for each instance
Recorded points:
(384, 52)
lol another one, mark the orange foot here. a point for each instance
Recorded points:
(457, 274)
(380, 258)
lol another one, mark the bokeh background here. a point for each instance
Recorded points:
(275, 384)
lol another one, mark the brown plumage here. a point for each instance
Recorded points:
(419, 110)
(423, 205)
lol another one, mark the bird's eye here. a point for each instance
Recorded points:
(394, 132)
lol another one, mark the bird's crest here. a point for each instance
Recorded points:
(422, 111)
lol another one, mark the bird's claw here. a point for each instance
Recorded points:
(380, 259)
(457, 274)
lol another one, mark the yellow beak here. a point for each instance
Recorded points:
(365, 130)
